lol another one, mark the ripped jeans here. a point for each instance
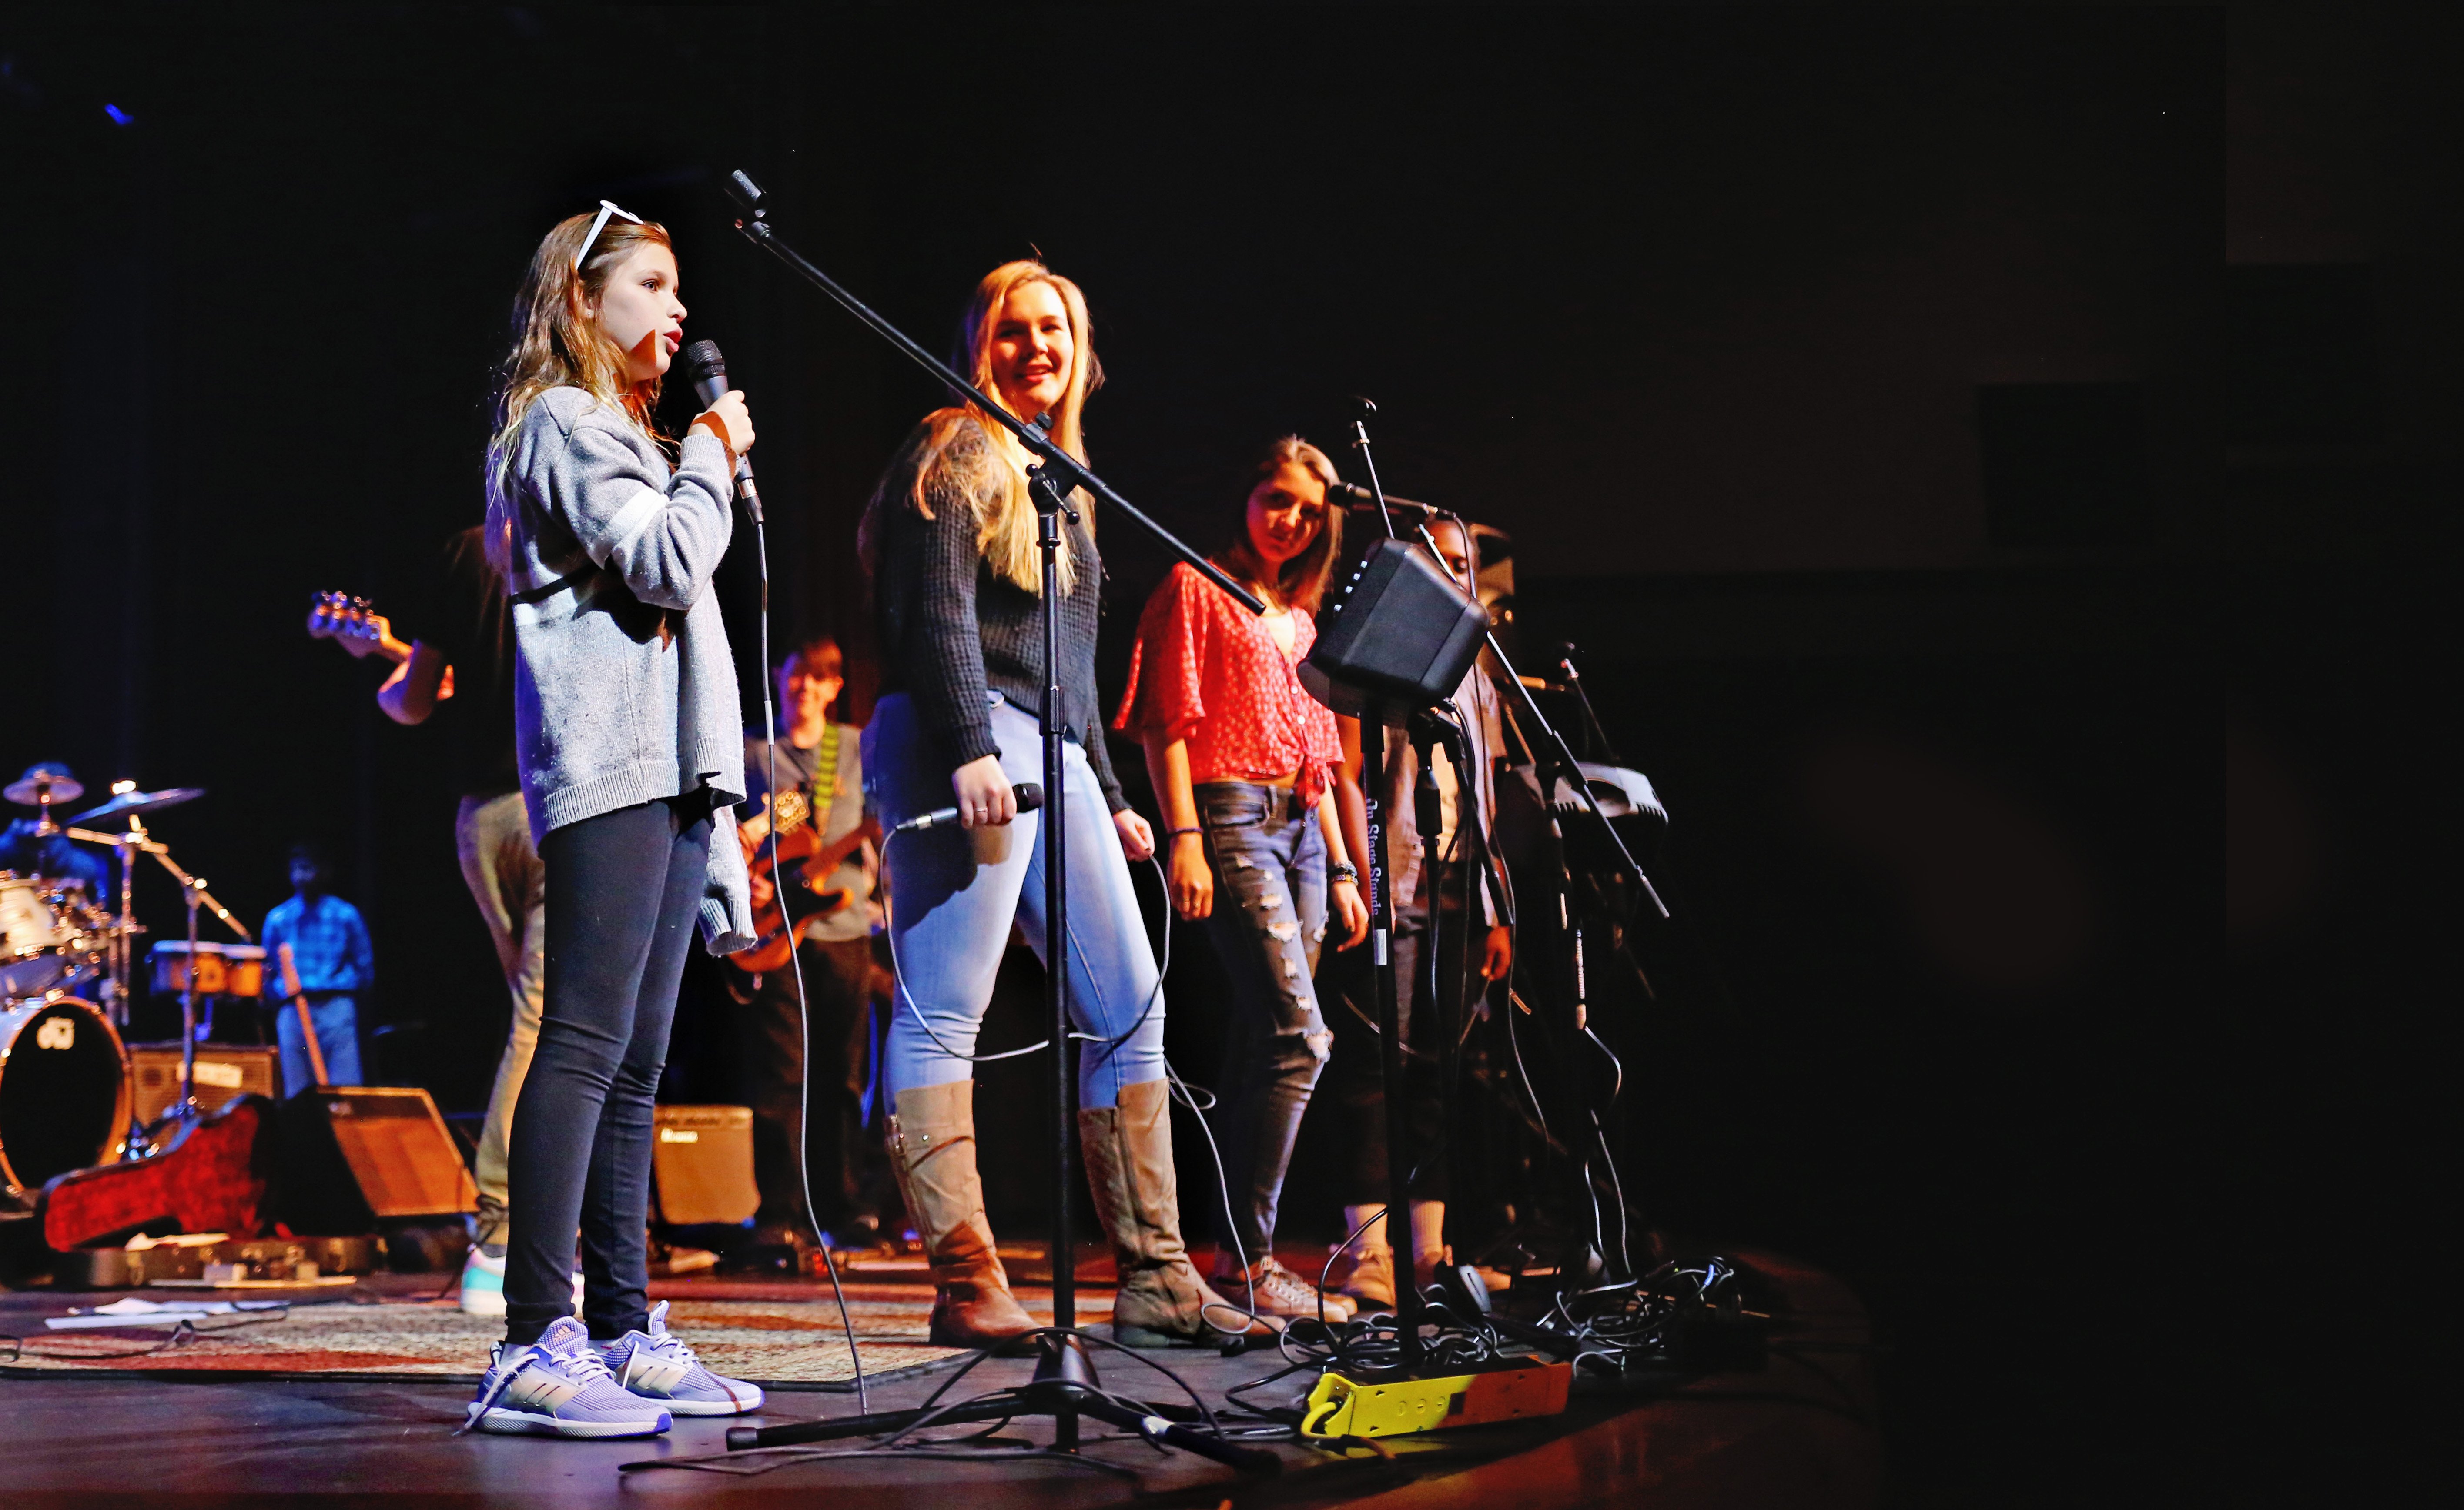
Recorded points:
(1267, 924)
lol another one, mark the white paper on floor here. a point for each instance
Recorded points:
(131, 1312)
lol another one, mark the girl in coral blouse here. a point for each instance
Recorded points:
(1244, 763)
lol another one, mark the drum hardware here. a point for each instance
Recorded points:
(41, 790)
(126, 801)
(126, 798)
(53, 939)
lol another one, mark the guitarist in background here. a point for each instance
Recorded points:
(465, 654)
(830, 898)
(462, 663)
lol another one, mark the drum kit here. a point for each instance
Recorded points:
(65, 963)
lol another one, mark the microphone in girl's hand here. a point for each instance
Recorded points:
(708, 370)
(1029, 795)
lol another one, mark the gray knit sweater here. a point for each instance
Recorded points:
(952, 628)
(624, 690)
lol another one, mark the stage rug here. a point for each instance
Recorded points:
(778, 1343)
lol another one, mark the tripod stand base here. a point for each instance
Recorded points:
(1065, 1387)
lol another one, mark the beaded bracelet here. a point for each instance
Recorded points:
(1341, 872)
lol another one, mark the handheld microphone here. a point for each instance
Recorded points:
(708, 370)
(1029, 795)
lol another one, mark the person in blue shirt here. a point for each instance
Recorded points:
(329, 945)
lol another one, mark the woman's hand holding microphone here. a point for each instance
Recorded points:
(986, 799)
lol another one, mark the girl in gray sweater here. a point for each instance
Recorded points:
(626, 727)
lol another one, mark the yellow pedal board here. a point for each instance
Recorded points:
(1509, 1390)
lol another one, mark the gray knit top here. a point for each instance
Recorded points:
(952, 628)
(624, 686)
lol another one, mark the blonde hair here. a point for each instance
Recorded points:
(558, 346)
(1300, 582)
(1005, 515)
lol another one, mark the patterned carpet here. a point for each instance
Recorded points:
(789, 1339)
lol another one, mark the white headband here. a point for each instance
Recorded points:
(597, 225)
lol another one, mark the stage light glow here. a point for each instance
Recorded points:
(118, 117)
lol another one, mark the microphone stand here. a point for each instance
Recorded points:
(1065, 1386)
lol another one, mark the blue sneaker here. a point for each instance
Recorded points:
(659, 1367)
(558, 1388)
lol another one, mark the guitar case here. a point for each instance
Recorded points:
(216, 1175)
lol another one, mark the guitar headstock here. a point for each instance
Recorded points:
(351, 620)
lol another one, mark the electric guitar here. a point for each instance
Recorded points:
(355, 624)
(799, 838)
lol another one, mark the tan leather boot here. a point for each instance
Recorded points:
(1161, 1302)
(931, 1143)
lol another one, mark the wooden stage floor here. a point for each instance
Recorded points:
(1797, 1432)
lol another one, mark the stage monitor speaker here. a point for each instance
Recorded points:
(223, 1070)
(701, 1158)
(354, 1155)
(1398, 637)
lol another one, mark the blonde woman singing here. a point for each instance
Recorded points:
(949, 538)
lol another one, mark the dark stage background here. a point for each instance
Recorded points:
(1934, 428)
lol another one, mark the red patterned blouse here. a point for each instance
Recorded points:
(1207, 670)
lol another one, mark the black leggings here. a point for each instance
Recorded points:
(623, 892)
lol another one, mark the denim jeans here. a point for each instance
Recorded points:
(956, 894)
(337, 1039)
(1267, 924)
(620, 914)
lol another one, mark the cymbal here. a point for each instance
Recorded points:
(29, 793)
(140, 802)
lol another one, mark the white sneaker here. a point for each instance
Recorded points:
(559, 1387)
(483, 1285)
(661, 1368)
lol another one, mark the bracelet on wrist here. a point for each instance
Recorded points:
(1341, 872)
(1175, 833)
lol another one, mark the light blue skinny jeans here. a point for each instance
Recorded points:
(955, 896)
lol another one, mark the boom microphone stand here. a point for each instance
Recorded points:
(1065, 1386)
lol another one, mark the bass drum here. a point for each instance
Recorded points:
(64, 1092)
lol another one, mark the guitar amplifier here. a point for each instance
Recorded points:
(701, 1163)
(353, 1155)
(223, 1070)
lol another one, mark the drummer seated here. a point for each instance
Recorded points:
(329, 947)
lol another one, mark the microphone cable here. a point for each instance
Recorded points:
(796, 963)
